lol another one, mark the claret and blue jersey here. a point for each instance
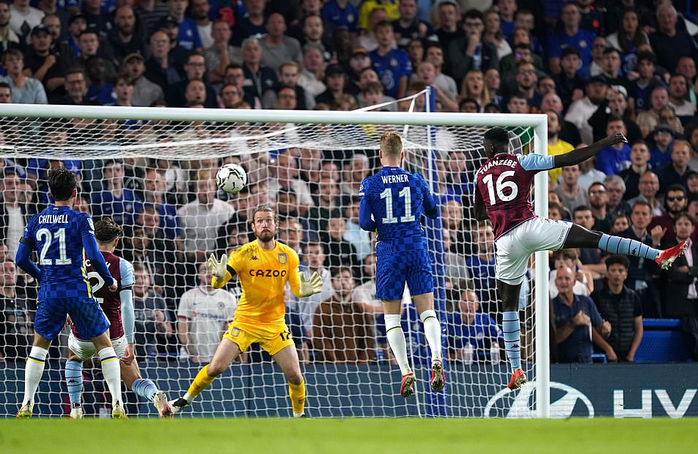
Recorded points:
(392, 204)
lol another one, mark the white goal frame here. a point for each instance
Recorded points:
(536, 121)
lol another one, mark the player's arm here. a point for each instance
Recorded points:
(301, 286)
(23, 258)
(479, 204)
(582, 154)
(431, 209)
(366, 221)
(222, 270)
(128, 318)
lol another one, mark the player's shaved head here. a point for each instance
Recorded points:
(106, 230)
(496, 141)
(391, 145)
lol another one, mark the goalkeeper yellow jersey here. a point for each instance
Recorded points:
(263, 275)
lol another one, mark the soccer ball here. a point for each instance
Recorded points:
(231, 178)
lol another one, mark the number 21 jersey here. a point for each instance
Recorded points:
(503, 186)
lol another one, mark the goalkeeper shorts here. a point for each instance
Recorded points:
(272, 341)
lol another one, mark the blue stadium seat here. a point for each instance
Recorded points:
(662, 341)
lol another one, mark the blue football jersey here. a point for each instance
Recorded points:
(396, 200)
(57, 235)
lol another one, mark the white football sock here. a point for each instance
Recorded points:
(111, 372)
(33, 371)
(396, 340)
(432, 330)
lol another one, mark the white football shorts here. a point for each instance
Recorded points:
(85, 349)
(514, 248)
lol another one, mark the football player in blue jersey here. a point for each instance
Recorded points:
(392, 204)
(62, 237)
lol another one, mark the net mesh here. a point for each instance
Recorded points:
(153, 177)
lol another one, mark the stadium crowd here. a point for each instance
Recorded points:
(594, 67)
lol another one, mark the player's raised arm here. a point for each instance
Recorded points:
(365, 213)
(222, 270)
(582, 154)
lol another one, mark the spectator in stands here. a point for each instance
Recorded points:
(16, 316)
(23, 19)
(588, 174)
(159, 67)
(578, 323)
(679, 296)
(187, 31)
(408, 26)
(115, 200)
(220, 53)
(150, 13)
(678, 94)
(285, 175)
(551, 102)
(583, 279)
(620, 223)
(449, 16)
(5, 93)
(494, 35)
(194, 69)
(469, 51)
(569, 81)
(472, 334)
(359, 238)
(8, 38)
(326, 201)
(649, 187)
(580, 111)
(153, 328)
(123, 91)
(291, 230)
(368, 40)
(556, 146)
(598, 203)
(203, 315)
(598, 46)
(518, 103)
(335, 81)
(675, 172)
(354, 173)
(25, 90)
(621, 307)
(669, 40)
(253, 24)
(200, 11)
(615, 186)
(628, 39)
(570, 192)
(201, 218)
(426, 75)
(340, 13)
(434, 54)
(392, 65)
(590, 257)
(314, 256)
(338, 251)
(675, 202)
(613, 159)
(145, 92)
(570, 35)
(125, 38)
(615, 107)
(342, 331)
(76, 25)
(647, 80)
(154, 188)
(44, 65)
(278, 48)
(258, 78)
(481, 266)
(648, 119)
(313, 72)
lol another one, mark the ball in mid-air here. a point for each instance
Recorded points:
(231, 178)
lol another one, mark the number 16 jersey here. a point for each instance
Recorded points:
(503, 186)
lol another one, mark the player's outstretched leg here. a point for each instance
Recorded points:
(73, 380)
(398, 344)
(581, 237)
(511, 328)
(33, 371)
(145, 388)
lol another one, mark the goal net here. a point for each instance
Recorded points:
(152, 171)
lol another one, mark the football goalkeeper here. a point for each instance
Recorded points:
(263, 267)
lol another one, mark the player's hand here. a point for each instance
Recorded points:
(310, 286)
(218, 268)
(128, 355)
(615, 139)
(114, 285)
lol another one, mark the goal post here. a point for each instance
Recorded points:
(199, 140)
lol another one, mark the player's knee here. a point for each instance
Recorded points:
(295, 378)
(215, 368)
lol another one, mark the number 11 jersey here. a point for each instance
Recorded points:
(503, 186)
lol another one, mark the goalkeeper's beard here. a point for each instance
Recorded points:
(265, 236)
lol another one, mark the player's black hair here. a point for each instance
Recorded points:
(499, 138)
(61, 182)
(617, 260)
(106, 230)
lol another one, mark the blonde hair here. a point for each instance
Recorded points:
(391, 144)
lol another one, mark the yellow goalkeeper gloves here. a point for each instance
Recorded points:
(218, 268)
(310, 286)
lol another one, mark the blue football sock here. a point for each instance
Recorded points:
(144, 388)
(512, 338)
(73, 378)
(626, 246)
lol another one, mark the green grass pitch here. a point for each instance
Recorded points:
(354, 436)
